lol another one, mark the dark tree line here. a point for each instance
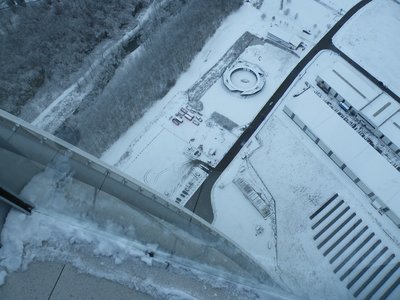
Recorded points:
(48, 41)
(155, 69)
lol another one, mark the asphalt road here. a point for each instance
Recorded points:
(200, 202)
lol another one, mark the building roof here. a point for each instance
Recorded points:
(380, 110)
(379, 176)
(285, 36)
(335, 134)
(391, 129)
(350, 84)
(308, 114)
(363, 160)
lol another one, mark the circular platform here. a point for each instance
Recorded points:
(245, 78)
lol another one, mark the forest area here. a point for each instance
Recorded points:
(47, 41)
(165, 55)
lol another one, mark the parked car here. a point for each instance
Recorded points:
(177, 121)
(344, 106)
(189, 116)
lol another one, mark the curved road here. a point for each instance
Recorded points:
(200, 202)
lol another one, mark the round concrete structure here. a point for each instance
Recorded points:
(245, 78)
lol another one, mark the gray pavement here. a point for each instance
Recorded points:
(56, 281)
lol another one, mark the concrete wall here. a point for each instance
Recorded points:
(15, 173)
(4, 209)
(34, 149)
(11, 165)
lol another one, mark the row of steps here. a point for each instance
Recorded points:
(361, 260)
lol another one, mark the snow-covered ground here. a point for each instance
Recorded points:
(372, 38)
(102, 236)
(281, 158)
(279, 161)
(339, 5)
(138, 152)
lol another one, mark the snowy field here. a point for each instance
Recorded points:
(164, 170)
(75, 223)
(372, 38)
(316, 17)
(172, 170)
(339, 5)
(300, 178)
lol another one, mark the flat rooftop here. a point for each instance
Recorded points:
(363, 160)
(380, 110)
(285, 36)
(391, 129)
(350, 84)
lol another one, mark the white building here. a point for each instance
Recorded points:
(372, 173)
(377, 112)
(390, 131)
(284, 38)
(358, 94)
(347, 85)
(382, 117)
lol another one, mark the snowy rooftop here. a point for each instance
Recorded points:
(307, 112)
(379, 176)
(367, 164)
(285, 36)
(380, 110)
(370, 38)
(328, 126)
(391, 129)
(351, 85)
